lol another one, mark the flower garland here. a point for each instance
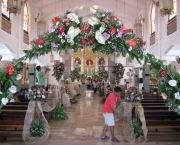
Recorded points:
(118, 71)
(103, 75)
(83, 78)
(9, 74)
(58, 69)
(36, 93)
(103, 32)
(95, 77)
(36, 128)
(75, 75)
(133, 94)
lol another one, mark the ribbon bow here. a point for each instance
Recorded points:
(99, 37)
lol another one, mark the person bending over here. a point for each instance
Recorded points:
(109, 109)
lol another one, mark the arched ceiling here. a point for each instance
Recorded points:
(126, 10)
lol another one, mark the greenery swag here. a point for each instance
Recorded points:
(58, 69)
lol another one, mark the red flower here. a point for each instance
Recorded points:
(91, 40)
(125, 30)
(84, 27)
(132, 43)
(55, 20)
(113, 30)
(10, 70)
(40, 41)
(114, 18)
(163, 73)
(61, 29)
(83, 41)
(88, 31)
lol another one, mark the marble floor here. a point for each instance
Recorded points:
(84, 114)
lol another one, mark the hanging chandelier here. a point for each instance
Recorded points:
(14, 6)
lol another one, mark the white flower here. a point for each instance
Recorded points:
(179, 107)
(34, 97)
(166, 62)
(72, 16)
(172, 83)
(4, 101)
(59, 36)
(77, 21)
(1, 92)
(73, 32)
(177, 96)
(43, 96)
(38, 92)
(40, 46)
(138, 98)
(57, 23)
(103, 15)
(93, 21)
(130, 48)
(19, 76)
(13, 89)
(93, 9)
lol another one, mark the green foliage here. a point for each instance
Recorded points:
(75, 75)
(59, 113)
(103, 75)
(83, 78)
(74, 100)
(36, 128)
(138, 132)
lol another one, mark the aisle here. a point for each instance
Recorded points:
(80, 115)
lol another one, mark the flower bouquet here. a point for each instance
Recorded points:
(118, 71)
(36, 128)
(133, 94)
(58, 69)
(75, 75)
(36, 93)
(83, 78)
(103, 75)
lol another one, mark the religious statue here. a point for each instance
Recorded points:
(89, 62)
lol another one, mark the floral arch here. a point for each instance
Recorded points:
(103, 32)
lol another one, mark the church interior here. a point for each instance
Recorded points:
(60, 61)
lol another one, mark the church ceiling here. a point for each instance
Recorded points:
(126, 10)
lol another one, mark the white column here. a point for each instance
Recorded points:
(82, 65)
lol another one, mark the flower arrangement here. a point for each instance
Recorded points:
(138, 132)
(95, 77)
(83, 78)
(133, 94)
(36, 128)
(59, 113)
(36, 93)
(118, 71)
(67, 90)
(58, 69)
(75, 75)
(9, 74)
(103, 75)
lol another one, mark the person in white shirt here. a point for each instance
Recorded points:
(95, 84)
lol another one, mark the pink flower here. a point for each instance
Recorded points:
(164, 96)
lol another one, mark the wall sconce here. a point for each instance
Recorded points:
(14, 6)
(51, 57)
(165, 6)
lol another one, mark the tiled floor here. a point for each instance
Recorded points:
(82, 115)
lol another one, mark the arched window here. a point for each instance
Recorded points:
(153, 19)
(5, 12)
(26, 19)
(174, 11)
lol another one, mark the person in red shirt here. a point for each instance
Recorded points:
(108, 112)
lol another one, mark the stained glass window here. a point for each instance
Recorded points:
(5, 12)
(174, 11)
(26, 19)
(153, 19)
